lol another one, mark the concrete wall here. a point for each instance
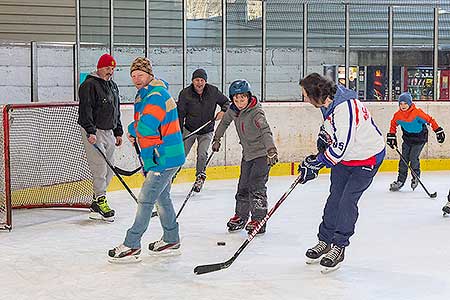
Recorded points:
(295, 127)
(55, 71)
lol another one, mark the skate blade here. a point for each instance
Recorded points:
(99, 217)
(125, 260)
(165, 253)
(326, 270)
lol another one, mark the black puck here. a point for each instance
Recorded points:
(220, 243)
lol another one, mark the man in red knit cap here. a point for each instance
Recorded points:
(99, 117)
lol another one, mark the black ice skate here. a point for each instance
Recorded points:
(315, 254)
(165, 249)
(252, 225)
(124, 254)
(332, 260)
(446, 208)
(396, 186)
(100, 210)
(235, 224)
(414, 183)
(199, 182)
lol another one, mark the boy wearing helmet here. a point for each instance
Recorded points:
(258, 155)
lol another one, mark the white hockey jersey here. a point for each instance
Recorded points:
(356, 140)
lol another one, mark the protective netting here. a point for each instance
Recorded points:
(48, 166)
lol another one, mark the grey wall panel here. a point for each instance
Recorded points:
(45, 20)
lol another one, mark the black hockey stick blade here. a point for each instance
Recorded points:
(203, 269)
(127, 173)
(434, 195)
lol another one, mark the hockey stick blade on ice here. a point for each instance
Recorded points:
(203, 269)
(431, 195)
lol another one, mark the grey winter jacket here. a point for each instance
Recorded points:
(253, 130)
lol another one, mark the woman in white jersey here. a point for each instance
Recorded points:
(351, 145)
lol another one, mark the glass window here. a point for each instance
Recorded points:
(413, 49)
(94, 34)
(244, 42)
(204, 40)
(444, 54)
(326, 40)
(284, 63)
(166, 42)
(369, 52)
(129, 42)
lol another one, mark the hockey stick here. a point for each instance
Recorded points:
(125, 172)
(433, 195)
(115, 172)
(202, 269)
(197, 130)
(193, 186)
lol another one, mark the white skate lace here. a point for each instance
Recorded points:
(334, 253)
(320, 247)
(121, 248)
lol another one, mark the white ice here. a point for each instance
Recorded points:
(401, 249)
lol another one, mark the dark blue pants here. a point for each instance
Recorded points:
(411, 154)
(341, 210)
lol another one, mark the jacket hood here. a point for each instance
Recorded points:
(342, 94)
(155, 83)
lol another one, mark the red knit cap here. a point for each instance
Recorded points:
(106, 60)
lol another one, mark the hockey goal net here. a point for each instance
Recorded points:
(43, 159)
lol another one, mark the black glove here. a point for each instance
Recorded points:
(440, 135)
(272, 157)
(309, 168)
(215, 146)
(323, 140)
(391, 140)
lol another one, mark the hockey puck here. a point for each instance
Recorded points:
(220, 243)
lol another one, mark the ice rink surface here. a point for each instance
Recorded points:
(401, 249)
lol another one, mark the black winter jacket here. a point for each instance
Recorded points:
(195, 110)
(99, 105)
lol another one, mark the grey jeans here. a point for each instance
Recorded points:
(411, 154)
(251, 196)
(101, 173)
(203, 142)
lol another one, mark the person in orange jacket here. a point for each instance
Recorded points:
(413, 122)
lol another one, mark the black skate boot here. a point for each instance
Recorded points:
(314, 254)
(235, 224)
(199, 182)
(252, 225)
(414, 183)
(396, 186)
(446, 208)
(332, 260)
(124, 254)
(100, 210)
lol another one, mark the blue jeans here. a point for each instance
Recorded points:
(156, 189)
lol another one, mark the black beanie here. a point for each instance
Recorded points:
(200, 73)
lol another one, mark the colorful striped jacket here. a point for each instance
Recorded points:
(157, 128)
(413, 123)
